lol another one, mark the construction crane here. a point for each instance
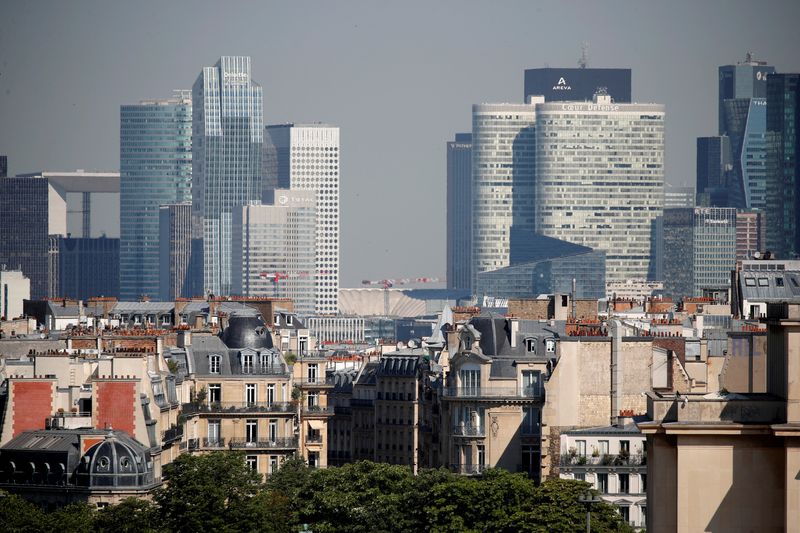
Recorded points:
(389, 283)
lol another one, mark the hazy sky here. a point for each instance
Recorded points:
(398, 78)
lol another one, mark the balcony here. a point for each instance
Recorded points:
(568, 459)
(239, 407)
(216, 444)
(320, 381)
(469, 431)
(468, 470)
(361, 402)
(271, 444)
(172, 434)
(499, 393)
(316, 410)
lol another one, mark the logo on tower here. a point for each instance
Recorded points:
(562, 85)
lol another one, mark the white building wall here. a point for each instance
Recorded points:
(14, 288)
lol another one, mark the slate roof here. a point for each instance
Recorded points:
(770, 286)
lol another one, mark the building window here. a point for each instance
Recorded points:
(643, 521)
(579, 476)
(214, 432)
(750, 282)
(273, 464)
(264, 359)
(530, 460)
(530, 420)
(624, 512)
(252, 462)
(313, 459)
(644, 483)
(214, 393)
(530, 346)
(470, 382)
(312, 373)
(288, 320)
(247, 364)
(624, 447)
(277, 321)
(603, 447)
(481, 455)
(273, 430)
(602, 483)
(213, 364)
(624, 484)
(550, 345)
(250, 393)
(581, 445)
(313, 399)
(270, 393)
(251, 431)
(531, 383)
(302, 345)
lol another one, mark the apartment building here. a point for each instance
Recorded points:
(241, 393)
(312, 386)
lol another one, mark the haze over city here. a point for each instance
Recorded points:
(398, 79)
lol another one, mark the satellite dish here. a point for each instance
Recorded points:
(756, 255)
(412, 344)
(400, 345)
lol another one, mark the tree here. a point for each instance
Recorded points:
(74, 518)
(206, 492)
(129, 516)
(19, 515)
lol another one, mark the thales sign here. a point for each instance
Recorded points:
(562, 85)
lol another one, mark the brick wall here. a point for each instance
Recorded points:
(115, 404)
(528, 309)
(33, 403)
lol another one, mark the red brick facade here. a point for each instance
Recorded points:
(115, 405)
(33, 403)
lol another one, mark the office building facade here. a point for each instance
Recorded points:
(750, 233)
(714, 248)
(746, 124)
(174, 252)
(714, 167)
(578, 84)
(227, 139)
(678, 196)
(678, 250)
(747, 79)
(459, 211)
(3, 166)
(783, 165)
(305, 157)
(155, 169)
(273, 250)
(503, 166)
(88, 267)
(600, 180)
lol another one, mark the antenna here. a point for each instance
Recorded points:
(584, 60)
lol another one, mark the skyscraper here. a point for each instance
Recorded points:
(3, 166)
(600, 180)
(503, 166)
(174, 252)
(227, 139)
(459, 211)
(742, 118)
(578, 84)
(306, 157)
(713, 171)
(783, 165)
(155, 168)
(274, 249)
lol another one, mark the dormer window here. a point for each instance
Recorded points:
(530, 346)
(247, 364)
(264, 359)
(213, 364)
(277, 320)
(288, 320)
(550, 345)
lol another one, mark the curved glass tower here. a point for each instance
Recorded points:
(227, 138)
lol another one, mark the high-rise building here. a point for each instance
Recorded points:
(459, 211)
(88, 267)
(750, 233)
(578, 84)
(714, 248)
(274, 249)
(783, 165)
(174, 252)
(742, 118)
(600, 180)
(155, 169)
(743, 80)
(699, 249)
(306, 157)
(503, 166)
(678, 196)
(3, 166)
(713, 171)
(227, 139)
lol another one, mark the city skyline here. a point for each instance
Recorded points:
(403, 76)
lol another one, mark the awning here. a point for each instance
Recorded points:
(318, 425)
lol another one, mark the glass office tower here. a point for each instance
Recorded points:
(783, 165)
(227, 140)
(155, 169)
(459, 211)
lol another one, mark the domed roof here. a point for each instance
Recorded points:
(246, 331)
(115, 462)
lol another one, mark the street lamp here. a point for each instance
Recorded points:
(588, 499)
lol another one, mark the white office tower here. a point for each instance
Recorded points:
(503, 165)
(306, 157)
(600, 180)
(273, 249)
